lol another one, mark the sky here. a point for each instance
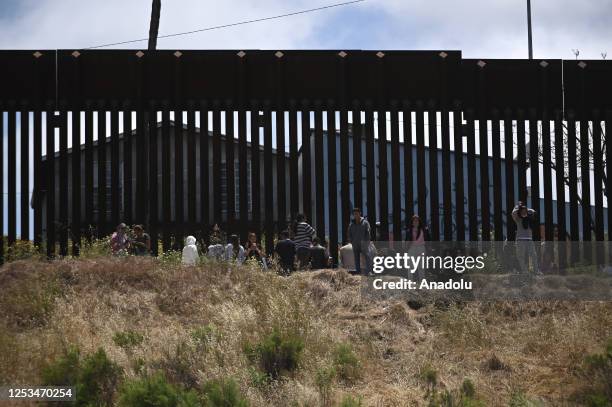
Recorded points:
(479, 28)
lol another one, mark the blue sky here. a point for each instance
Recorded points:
(480, 28)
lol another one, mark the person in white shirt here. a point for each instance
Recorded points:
(347, 257)
(190, 252)
(216, 249)
(234, 250)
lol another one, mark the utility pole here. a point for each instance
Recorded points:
(154, 26)
(529, 37)
(153, 32)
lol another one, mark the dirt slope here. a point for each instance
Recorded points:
(508, 350)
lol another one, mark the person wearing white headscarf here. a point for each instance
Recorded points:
(190, 252)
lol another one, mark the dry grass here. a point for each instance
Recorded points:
(501, 347)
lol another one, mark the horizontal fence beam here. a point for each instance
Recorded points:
(50, 78)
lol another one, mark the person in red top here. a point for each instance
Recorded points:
(417, 232)
(119, 240)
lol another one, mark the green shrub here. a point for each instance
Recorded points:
(95, 377)
(258, 378)
(98, 379)
(324, 380)
(597, 372)
(350, 401)
(64, 370)
(170, 258)
(430, 377)
(223, 393)
(346, 362)
(22, 250)
(204, 336)
(598, 400)
(519, 399)
(179, 365)
(139, 366)
(465, 396)
(468, 389)
(277, 353)
(155, 391)
(95, 248)
(128, 339)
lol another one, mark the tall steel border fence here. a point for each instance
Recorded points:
(304, 126)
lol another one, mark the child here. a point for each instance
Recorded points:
(190, 252)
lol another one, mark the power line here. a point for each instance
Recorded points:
(257, 20)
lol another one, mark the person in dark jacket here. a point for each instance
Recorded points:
(285, 249)
(359, 236)
(319, 256)
(140, 244)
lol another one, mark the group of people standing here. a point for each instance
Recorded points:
(297, 248)
(359, 248)
(300, 248)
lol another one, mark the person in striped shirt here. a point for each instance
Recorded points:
(303, 240)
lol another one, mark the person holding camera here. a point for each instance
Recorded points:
(525, 219)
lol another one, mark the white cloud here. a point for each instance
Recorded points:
(71, 24)
(480, 28)
(498, 28)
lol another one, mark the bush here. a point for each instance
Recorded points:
(452, 399)
(223, 393)
(324, 380)
(465, 396)
(258, 378)
(22, 250)
(519, 399)
(350, 401)
(179, 365)
(598, 400)
(430, 377)
(155, 391)
(95, 248)
(597, 371)
(346, 362)
(170, 258)
(139, 366)
(468, 389)
(98, 379)
(204, 336)
(64, 370)
(95, 377)
(277, 353)
(128, 339)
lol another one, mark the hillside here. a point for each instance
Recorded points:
(209, 322)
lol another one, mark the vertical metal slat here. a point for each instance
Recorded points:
(383, 176)
(332, 185)
(395, 175)
(76, 182)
